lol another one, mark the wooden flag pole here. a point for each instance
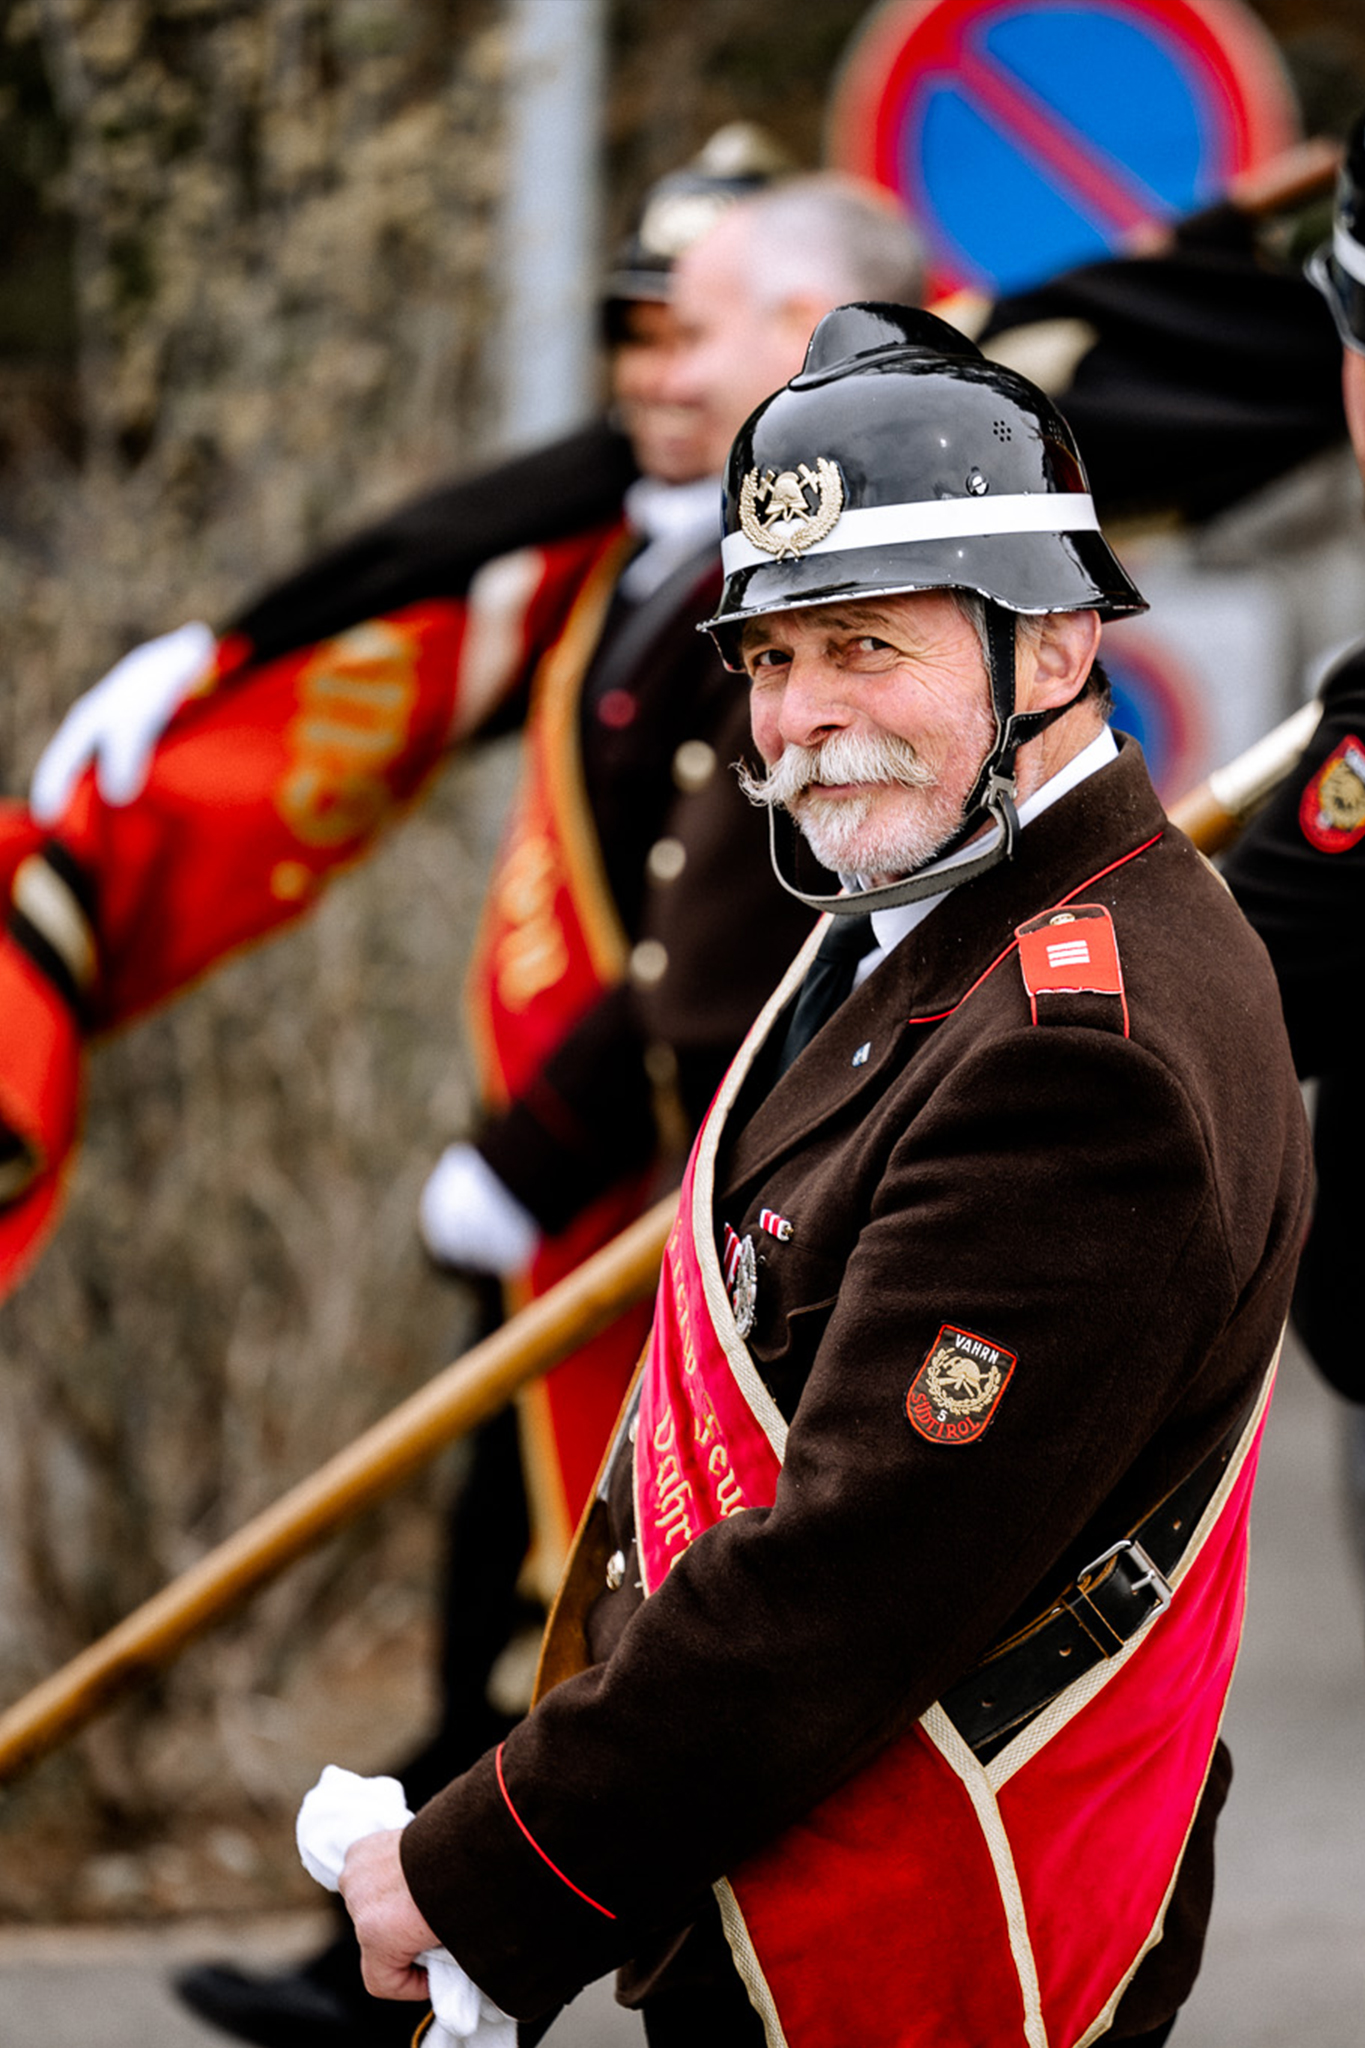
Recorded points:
(471, 1389)
(1215, 812)
(456, 1400)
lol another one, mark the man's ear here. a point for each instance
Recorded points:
(1063, 654)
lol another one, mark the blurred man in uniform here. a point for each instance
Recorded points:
(631, 926)
(1299, 874)
(902, 1630)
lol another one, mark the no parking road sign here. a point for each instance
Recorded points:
(1028, 136)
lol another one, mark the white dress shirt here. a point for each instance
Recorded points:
(891, 926)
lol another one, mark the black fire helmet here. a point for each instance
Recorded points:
(740, 161)
(901, 459)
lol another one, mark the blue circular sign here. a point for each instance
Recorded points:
(1028, 136)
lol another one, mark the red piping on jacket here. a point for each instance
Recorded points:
(1013, 946)
(507, 1797)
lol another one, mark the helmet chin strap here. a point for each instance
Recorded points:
(992, 797)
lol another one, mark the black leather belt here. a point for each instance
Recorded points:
(1109, 1602)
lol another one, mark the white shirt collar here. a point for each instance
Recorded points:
(674, 521)
(891, 926)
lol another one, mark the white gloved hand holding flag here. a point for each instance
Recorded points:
(115, 726)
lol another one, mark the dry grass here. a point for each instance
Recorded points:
(293, 199)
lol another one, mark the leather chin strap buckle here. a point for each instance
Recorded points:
(1000, 800)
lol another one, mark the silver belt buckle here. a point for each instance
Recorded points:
(1149, 1575)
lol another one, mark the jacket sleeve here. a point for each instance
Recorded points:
(1306, 901)
(1208, 374)
(1305, 897)
(787, 1645)
(434, 546)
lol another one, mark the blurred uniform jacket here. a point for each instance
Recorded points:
(1298, 872)
(1190, 378)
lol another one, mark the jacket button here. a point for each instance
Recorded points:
(648, 963)
(616, 1570)
(693, 766)
(616, 709)
(667, 859)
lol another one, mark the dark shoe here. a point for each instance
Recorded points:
(292, 2010)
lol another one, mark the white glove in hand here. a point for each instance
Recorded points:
(468, 1218)
(340, 1809)
(118, 722)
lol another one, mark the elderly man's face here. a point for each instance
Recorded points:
(733, 351)
(874, 719)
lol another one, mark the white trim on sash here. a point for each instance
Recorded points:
(745, 1958)
(961, 1759)
(764, 1409)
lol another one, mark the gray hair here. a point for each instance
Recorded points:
(1028, 627)
(972, 605)
(834, 237)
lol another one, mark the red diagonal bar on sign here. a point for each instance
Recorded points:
(1097, 182)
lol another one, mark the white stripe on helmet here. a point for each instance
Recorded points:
(884, 526)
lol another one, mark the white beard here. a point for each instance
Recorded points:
(836, 827)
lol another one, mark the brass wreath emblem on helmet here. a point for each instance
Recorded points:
(958, 1385)
(789, 522)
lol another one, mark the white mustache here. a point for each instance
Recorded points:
(846, 757)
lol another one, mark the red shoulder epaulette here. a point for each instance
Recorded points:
(1067, 953)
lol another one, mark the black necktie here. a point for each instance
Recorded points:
(829, 978)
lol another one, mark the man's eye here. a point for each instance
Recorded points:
(770, 657)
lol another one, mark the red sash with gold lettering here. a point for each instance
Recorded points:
(271, 778)
(934, 1901)
(550, 943)
(39, 1064)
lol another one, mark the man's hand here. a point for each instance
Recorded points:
(115, 726)
(469, 1220)
(390, 1929)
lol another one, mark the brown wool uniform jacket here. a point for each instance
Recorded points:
(1121, 1212)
